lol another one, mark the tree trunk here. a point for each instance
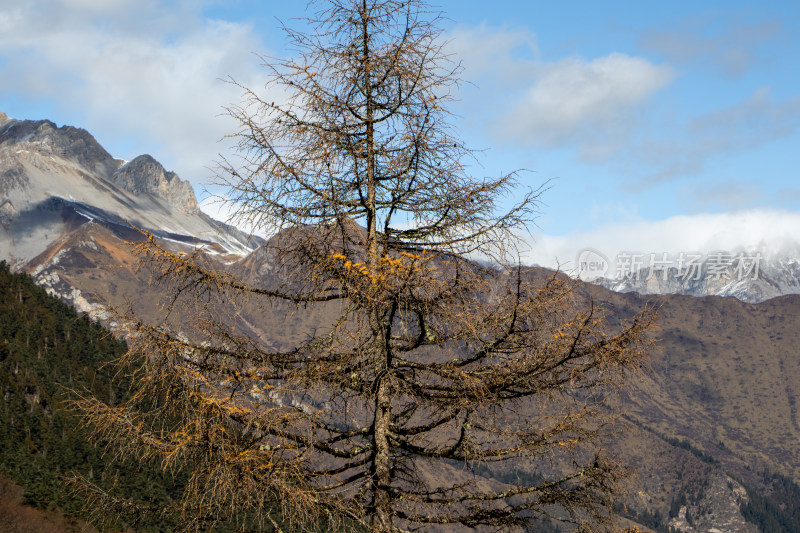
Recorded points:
(382, 518)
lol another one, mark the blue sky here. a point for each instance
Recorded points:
(660, 126)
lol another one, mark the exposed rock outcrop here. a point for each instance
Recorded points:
(145, 175)
(12, 176)
(74, 144)
(7, 213)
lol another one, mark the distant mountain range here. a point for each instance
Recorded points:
(774, 276)
(711, 430)
(748, 275)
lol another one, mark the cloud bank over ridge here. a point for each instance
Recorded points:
(770, 231)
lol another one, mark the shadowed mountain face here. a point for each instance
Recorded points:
(707, 426)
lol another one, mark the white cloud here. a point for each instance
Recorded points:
(139, 71)
(725, 195)
(574, 100)
(757, 117)
(101, 6)
(590, 105)
(493, 54)
(768, 230)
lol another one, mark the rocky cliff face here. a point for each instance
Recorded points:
(145, 175)
(67, 142)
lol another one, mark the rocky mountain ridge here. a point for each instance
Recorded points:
(751, 277)
(40, 161)
(74, 144)
(59, 187)
(143, 175)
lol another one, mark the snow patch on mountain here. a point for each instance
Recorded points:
(622, 254)
(766, 274)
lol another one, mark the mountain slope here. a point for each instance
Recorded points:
(723, 383)
(46, 350)
(726, 376)
(53, 180)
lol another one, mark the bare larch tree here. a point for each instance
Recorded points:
(422, 370)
